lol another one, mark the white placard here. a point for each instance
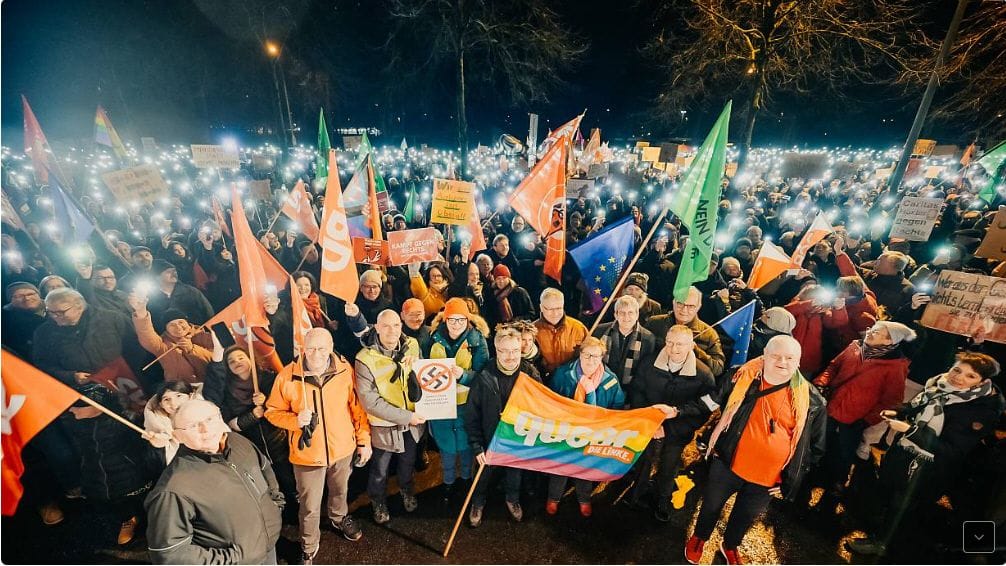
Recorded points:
(440, 389)
(916, 218)
(214, 157)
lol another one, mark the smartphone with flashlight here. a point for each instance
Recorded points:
(223, 334)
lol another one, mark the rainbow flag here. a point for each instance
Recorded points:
(106, 135)
(543, 431)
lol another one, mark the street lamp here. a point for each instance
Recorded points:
(273, 50)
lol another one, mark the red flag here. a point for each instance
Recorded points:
(374, 214)
(475, 227)
(814, 234)
(541, 199)
(969, 154)
(301, 319)
(338, 268)
(119, 377)
(265, 346)
(771, 261)
(297, 206)
(218, 216)
(251, 270)
(35, 143)
(31, 400)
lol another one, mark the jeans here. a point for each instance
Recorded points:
(511, 485)
(557, 485)
(449, 463)
(752, 500)
(377, 482)
(311, 482)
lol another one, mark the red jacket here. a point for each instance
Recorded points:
(809, 331)
(862, 388)
(859, 318)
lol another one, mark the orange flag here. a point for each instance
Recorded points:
(265, 347)
(251, 268)
(374, 213)
(814, 234)
(35, 143)
(31, 400)
(218, 216)
(301, 320)
(338, 267)
(541, 199)
(475, 227)
(771, 261)
(298, 207)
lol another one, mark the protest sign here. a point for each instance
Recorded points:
(730, 170)
(149, 145)
(924, 148)
(263, 163)
(440, 390)
(260, 190)
(651, 154)
(597, 170)
(368, 250)
(351, 142)
(452, 202)
(934, 171)
(214, 157)
(916, 218)
(668, 151)
(142, 184)
(575, 188)
(994, 244)
(642, 144)
(411, 246)
(804, 165)
(945, 150)
(962, 301)
(883, 173)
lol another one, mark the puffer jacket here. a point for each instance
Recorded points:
(558, 342)
(471, 353)
(215, 508)
(608, 395)
(809, 332)
(342, 422)
(861, 388)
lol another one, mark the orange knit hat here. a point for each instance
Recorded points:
(456, 307)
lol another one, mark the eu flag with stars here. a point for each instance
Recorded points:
(602, 257)
(737, 325)
(72, 222)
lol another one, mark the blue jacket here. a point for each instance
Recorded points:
(450, 434)
(608, 394)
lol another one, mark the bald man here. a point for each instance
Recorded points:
(771, 432)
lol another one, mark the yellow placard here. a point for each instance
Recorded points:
(452, 202)
(651, 154)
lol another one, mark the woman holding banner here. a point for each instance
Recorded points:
(584, 379)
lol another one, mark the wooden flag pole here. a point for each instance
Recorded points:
(628, 270)
(461, 515)
(195, 331)
(119, 418)
(251, 355)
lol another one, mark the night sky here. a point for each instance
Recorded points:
(195, 70)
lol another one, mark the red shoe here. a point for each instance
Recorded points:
(551, 507)
(586, 510)
(731, 554)
(693, 550)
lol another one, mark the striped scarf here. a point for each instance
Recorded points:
(927, 411)
(635, 345)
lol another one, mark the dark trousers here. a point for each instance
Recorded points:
(55, 442)
(557, 485)
(666, 456)
(752, 500)
(377, 482)
(840, 452)
(511, 485)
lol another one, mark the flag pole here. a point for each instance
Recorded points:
(251, 356)
(628, 270)
(108, 412)
(461, 515)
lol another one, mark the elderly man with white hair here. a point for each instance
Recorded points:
(627, 342)
(771, 431)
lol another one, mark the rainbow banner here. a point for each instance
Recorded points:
(106, 135)
(543, 431)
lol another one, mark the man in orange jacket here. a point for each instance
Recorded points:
(315, 399)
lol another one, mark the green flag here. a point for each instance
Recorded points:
(363, 151)
(695, 203)
(993, 162)
(324, 145)
(410, 204)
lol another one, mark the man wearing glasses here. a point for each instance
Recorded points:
(558, 334)
(707, 342)
(23, 313)
(99, 286)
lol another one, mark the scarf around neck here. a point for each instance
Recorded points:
(928, 416)
(635, 344)
(870, 352)
(588, 382)
(313, 305)
(503, 302)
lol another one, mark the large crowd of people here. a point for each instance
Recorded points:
(844, 390)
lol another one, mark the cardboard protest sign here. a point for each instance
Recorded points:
(351, 142)
(575, 188)
(440, 390)
(803, 165)
(651, 154)
(260, 190)
(452, 202)
(916, 218)
(411, 246)
(214, 157)
(730, 170)
(263, 163)
(962, 301)
(597, 170)
(883, 173)
(924, 147)
(668, 151)
(642, 144)
(994, 244)
(368, 250)
(934, 171)
(142, 184)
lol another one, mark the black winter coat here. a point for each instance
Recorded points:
(270, 440)
(18, 332)
(486, 402)
(694, 396)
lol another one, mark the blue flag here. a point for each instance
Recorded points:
(602, 257)
(72, 222)
(737, 325)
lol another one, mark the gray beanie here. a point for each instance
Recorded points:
(899, 332)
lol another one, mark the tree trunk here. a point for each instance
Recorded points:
(754, 107)
(462, 118)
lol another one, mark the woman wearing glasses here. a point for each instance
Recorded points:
(584, 379)
(461, 335)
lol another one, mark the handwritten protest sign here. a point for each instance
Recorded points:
(452, 202)
(916, 218)
(368, 250)
(214, 157)
(260, 190)
(651, 154)
(597, 170)
(142, 184)
(440, 389)
(962, 301)
(924, 147)
(994, 244)
(576, 188)
(410, 246)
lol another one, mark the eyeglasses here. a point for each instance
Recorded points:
(591, 356)
(685, 306)
(105, 277)
(60, 314)
(457, 319)
(371, 287)
(23, 296)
